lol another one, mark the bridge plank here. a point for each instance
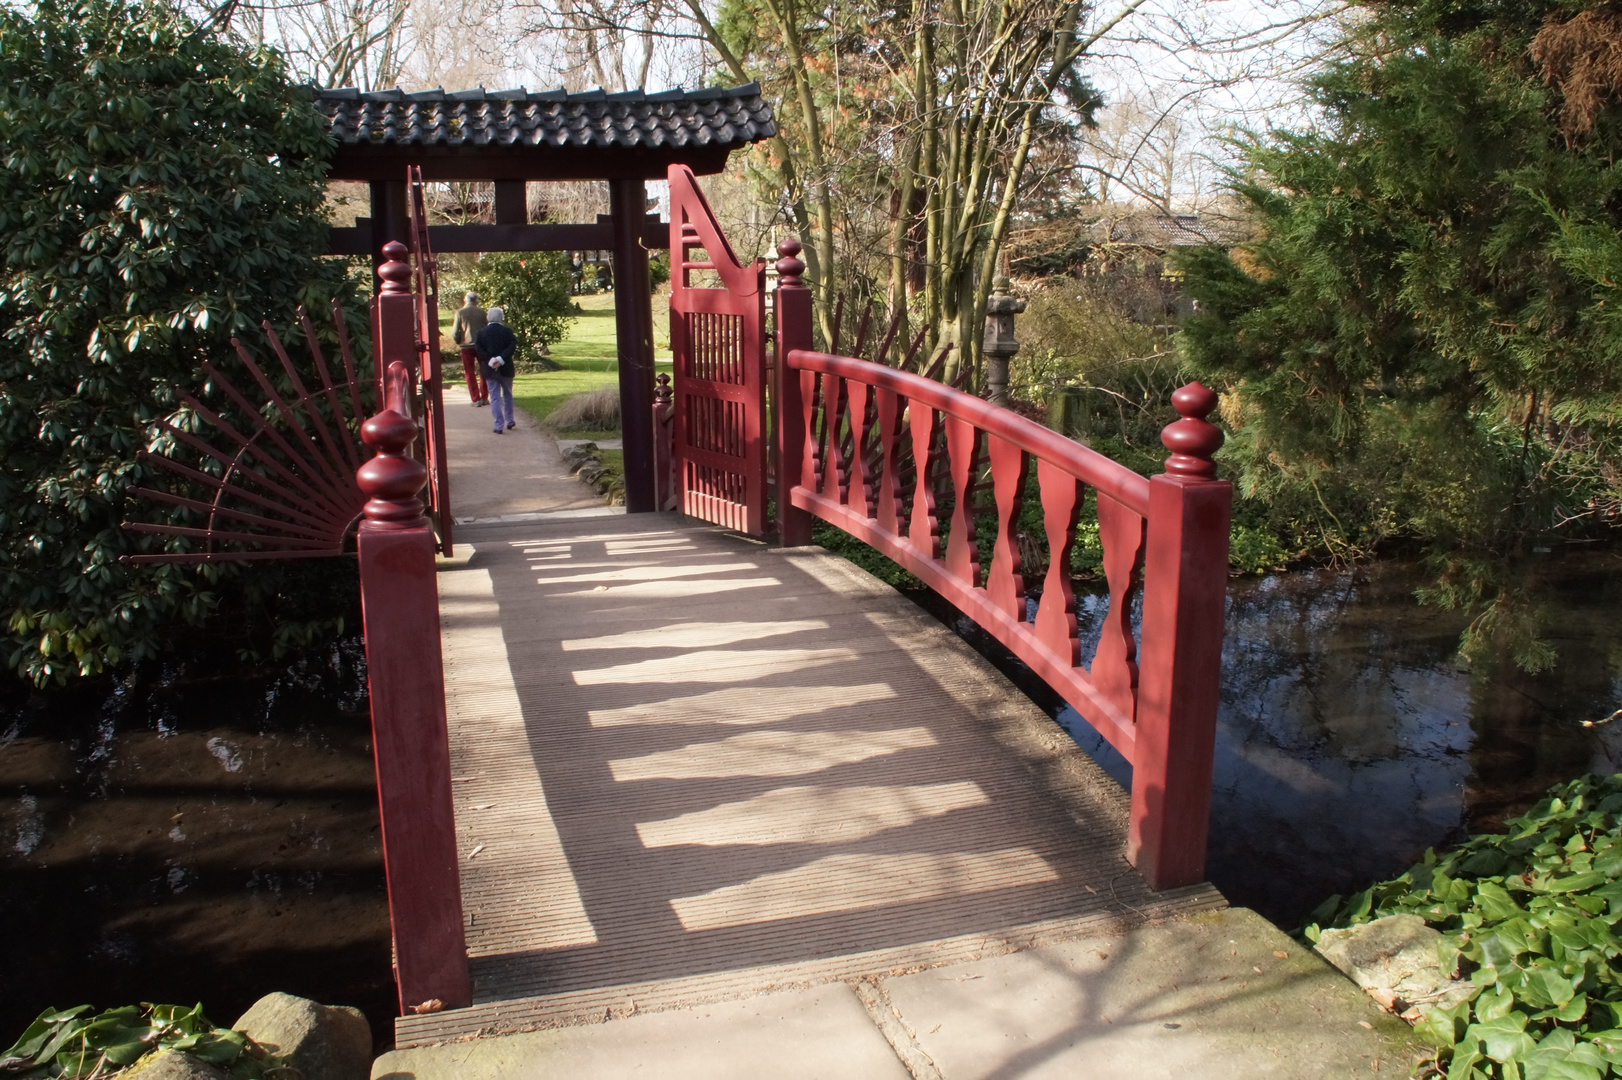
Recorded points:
(691, 767)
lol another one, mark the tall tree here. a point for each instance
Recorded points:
(1423, 342)
(928, 113)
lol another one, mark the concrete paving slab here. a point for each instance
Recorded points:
(1206, 996)
(818, 1034)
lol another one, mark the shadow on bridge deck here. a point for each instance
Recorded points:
(689, 767)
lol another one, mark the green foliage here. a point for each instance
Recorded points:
(532, 289)
(658, 269)
(163, 192)
(1420, 345)
(75, 1043)
(1530, 917)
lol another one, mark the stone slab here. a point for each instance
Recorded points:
(1203, 996)
(818, 1034)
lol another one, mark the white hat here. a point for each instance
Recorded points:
(495, 314)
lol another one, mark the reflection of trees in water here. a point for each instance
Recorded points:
(1350, 739)
(1528, 728)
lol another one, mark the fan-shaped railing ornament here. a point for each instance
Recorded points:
(275, 479)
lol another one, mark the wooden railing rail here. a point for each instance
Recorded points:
(896, 460)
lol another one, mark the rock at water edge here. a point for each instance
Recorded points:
(1395, 960)
(323, 1042)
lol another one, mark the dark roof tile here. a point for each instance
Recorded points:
(713, 116)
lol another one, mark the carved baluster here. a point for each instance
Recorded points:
(924, 530)
(859, 495)
(811, 408)
(835, 468)
(1115, 670)
(1056, 614)
(888, 493)
(1004, 585)
(963, 463)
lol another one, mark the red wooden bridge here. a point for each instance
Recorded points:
(626, 761)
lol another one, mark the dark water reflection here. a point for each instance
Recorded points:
(1350, 738)
(205, 832)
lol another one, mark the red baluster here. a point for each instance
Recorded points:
(1004, 585)
(835, 468)
(1185, 584)
(888, 490)
(858, 485)
(924, 531)
(406, 679)
(963, 461)
(1114, 669)
(1056, 614)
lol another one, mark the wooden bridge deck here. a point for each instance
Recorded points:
(690, 767)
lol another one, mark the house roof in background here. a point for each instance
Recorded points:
(543, 134)
(1160, 231)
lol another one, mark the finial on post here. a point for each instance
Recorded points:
(662, 393)
(394, 271)
(392, 479)
(789, 266)
(1192, 440)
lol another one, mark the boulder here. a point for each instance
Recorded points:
(1394, 959)
(579, 455)
(322, 1042)
(173, 1065)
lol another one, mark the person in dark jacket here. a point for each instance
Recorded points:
(496, 345)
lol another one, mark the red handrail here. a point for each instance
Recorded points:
(872, 450)
(1087, 465)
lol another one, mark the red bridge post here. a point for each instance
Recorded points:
(793, 332)
(406, 678)
(1185, 577)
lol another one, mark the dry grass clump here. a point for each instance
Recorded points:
(594, 410)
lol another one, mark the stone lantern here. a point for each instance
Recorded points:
(999, 343)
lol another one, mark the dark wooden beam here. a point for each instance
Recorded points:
(384, 162)
(633, 325)
(512, 202)
(391, 220)
(357, 240)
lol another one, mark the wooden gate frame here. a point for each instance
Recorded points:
(739, 501)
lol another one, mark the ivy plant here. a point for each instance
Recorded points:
(1530, 918)
(78, 1043)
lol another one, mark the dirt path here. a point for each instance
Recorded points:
(518, 472)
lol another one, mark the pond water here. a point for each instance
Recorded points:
(204, 832)
(1350, 738)
(209, 832)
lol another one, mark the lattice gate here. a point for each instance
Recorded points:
(717, 337)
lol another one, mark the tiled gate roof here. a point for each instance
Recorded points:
(674, 120)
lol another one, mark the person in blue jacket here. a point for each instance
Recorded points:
(496, 345)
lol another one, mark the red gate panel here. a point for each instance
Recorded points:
(717, 336)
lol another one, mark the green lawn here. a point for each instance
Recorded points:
(588, 359)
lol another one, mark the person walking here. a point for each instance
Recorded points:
(496, 345)
(470, 319)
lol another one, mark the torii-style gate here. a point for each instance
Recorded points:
(510, 137)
